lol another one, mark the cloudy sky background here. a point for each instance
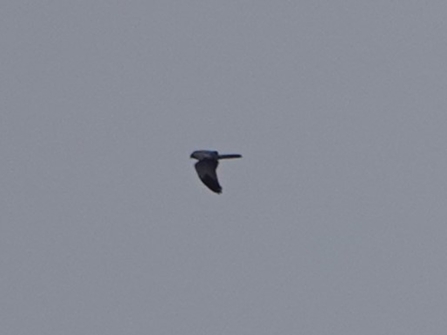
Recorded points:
(334, 222)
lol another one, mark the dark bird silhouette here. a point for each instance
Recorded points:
(207, 165)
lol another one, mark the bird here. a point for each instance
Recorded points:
(206, 166)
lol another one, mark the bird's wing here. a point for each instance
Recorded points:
(206, 169)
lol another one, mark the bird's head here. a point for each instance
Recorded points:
(204, 154)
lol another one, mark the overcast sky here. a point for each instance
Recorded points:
(333, 222)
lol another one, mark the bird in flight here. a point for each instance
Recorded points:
(207, 165)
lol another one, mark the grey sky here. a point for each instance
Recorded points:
(334, 222)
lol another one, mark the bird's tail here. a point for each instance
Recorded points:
(229, 156)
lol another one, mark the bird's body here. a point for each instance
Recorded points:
(207, 165)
